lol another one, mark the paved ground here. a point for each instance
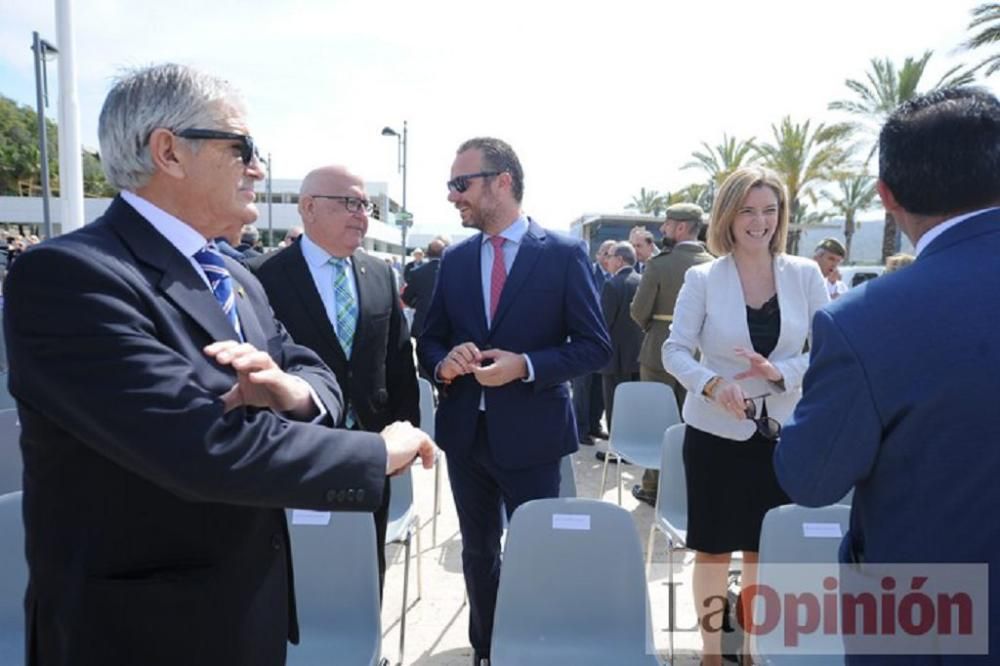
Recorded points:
(437, 624)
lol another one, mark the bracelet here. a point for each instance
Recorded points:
(710, 386)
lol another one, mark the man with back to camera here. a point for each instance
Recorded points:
(514, 317)
(166, 415)
(588, 390)
(625, 335)
(420, 284)
(341, 303)
(653, 308)
(899, 399)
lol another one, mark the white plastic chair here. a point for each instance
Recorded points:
(11, 467)
(544, 615)
(336, 589)
(793, 534)
(427, 411)
(404, 522)
(13, 580)
(643, 411)
(670, 515)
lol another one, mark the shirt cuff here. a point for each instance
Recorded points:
(320, 407)
(531, 369)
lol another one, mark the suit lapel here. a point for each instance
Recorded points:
(365, 289)
(178, 279)
(252, 331)
(527, 255)
(302, 285)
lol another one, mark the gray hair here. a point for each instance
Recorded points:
(170, 96)
(249, 234)
(625, 251)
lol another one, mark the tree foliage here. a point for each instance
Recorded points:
(986, 26)
(648, 202)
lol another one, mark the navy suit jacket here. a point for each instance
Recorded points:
(626, 336)
(419, 289)
(155, 532)
(900, 401)
(549, 311)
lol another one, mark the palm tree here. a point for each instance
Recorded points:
(649, 202)
(986, 18)
(805, 158)
(886, 88)
(721, 160)
(702, 194)
(856, 193)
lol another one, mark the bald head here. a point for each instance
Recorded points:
(332, 204)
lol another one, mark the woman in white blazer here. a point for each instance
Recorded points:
(748, 313)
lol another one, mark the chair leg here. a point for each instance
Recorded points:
(671, 598)
(650, 542)
(437, 504)
(604, 476)
(618, 466)
(406, 587)
(420, 570)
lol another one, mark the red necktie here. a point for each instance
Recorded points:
(498, 276)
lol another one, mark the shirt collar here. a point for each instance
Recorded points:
(939, 229)
(314, 255)
(514, 233)
(178, 233)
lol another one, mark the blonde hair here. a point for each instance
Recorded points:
(730, 198)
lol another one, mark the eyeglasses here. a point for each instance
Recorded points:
(247, 149)
(352, 204)
(766, 426)
(460, 184)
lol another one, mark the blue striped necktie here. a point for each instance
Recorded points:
(221, 283)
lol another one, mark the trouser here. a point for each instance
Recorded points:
(651, 477)
(482, 490)
(588, 403)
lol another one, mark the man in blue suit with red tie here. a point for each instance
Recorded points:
(900, 398)
(514, 318)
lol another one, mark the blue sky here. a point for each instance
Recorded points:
(598, 99)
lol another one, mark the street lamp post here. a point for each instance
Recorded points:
(42, 49)
(405, 219)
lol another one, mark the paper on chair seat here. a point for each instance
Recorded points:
(307, 517)
(570, 521)
(822, 530)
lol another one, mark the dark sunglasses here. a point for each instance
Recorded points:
(247, 149)
(352, 204)
(461, 183)
(766, 426)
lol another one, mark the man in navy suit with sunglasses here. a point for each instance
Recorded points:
(514, 318)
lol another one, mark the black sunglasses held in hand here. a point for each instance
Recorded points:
(247, 149)
(766, 426)
(461, 183)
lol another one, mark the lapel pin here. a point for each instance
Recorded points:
(239, 290)
(362, 270)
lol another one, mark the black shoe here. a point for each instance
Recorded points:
(480, 660)
(586, 440)
(601, 455)
(599, 433)
(647, 496)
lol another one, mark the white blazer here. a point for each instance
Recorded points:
(710, 316)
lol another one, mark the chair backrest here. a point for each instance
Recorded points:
(426, 406)
(400, 504)
(11, 467)
(550, 605)
(671, 495)
(794, 535)
(643, 410)
(336, 588)
(567, 477)
(13, 580)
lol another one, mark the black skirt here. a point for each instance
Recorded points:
(730, 486)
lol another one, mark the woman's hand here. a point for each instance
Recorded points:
(760, 367)
(729, 395)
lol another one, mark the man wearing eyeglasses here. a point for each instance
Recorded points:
(167, 417)
(341, 302)
(513, 319)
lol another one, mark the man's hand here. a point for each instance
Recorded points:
(460, 361)
(260, 382)
(505, 368)
(403, 443)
